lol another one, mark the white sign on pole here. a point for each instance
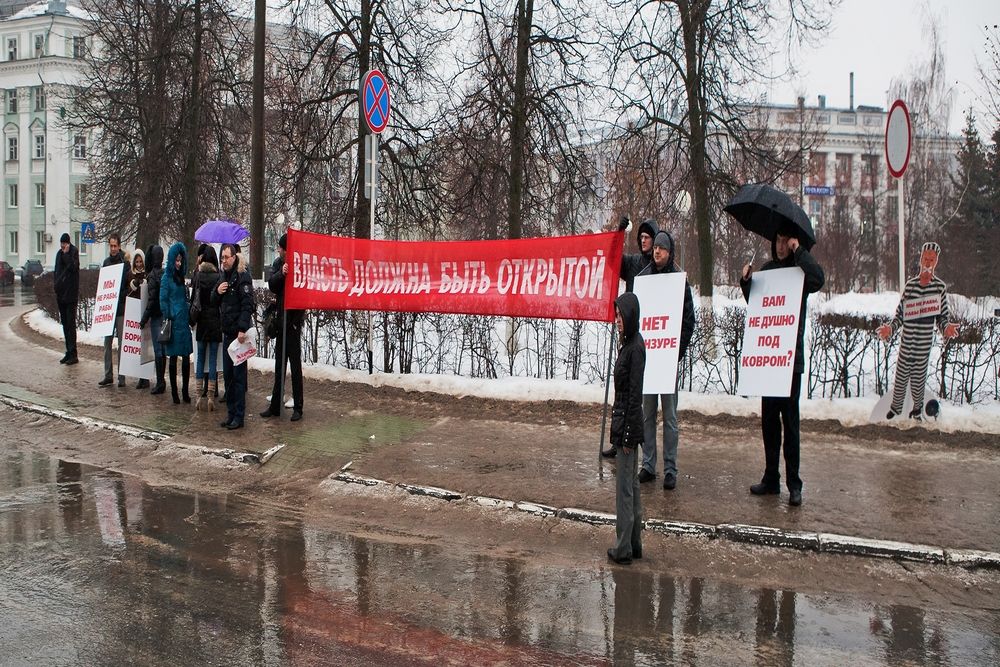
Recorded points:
(131, 353)
(109, 282)
(771, 332)
(661, 308)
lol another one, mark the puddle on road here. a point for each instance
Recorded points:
(112, 571)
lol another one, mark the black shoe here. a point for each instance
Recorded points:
(669, 481)
(645, 476)
(620, 561)
(72, 360)
(106, 382)
(143, 384)
(296, 415)
(890, 414)
(158, 389)
(121, 382)
(795, 498)
(232, 426)
(267, 414)
(763, 489)
(637, 554)
(610, 453)
(916, 413)
(64, 359)
(225, 423)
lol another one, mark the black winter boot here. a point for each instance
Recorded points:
(161, 366)
(173, 380)
(186, 373)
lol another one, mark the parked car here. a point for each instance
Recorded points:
(6, 273)
(31, 269)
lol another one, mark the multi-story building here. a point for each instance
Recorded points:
(44, 188)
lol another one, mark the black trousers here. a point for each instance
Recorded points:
(780, 416)
(293, 351)
(67, 315)
(235, 378)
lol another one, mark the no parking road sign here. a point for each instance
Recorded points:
(375, 100)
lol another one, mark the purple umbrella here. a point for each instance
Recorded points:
(221, 231)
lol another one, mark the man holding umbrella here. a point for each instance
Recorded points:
(770, 213)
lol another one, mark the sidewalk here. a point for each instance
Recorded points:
(857, 484)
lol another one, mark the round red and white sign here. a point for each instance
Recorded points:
(898, 138)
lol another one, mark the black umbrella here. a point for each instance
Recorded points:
(763, 210)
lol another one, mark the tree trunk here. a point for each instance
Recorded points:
(192, 163)
(519, 119)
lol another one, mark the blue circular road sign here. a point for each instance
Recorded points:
(375, 100)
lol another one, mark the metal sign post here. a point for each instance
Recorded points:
(898, 134)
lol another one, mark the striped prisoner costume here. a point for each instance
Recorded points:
(915, 345)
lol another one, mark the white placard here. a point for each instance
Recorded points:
(132, 343)
(770, 333)
(240, 352)
(109, 284)
(661, 308)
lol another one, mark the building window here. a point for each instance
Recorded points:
(12, 195)
(12, 48)
(13, 243)
(823, 119)
(39, 243)
(12, 149)
(872, 121)
(80, 147)
(79, 47)
(847, 119)
(39, 146)
(39, 194)
(12, 100)
(80, 195)
(38, 92)
(815, 206)
(39, 46)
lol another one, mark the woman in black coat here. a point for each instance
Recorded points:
(207, 327)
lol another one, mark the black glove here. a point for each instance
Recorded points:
(143, 322)
(623, 225)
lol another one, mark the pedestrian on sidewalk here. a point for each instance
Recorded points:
(626, 429)
(631, 265)
(782, 414)
(288, 343)
(663, 262)
(154, 316)
(174, 305)
(207, 327)
(115, 257)
(67, 289)
(234, 297)
(135, 292)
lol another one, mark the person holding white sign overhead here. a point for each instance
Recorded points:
(663, 262)
(777, 414)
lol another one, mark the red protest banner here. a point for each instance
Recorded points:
(568, 277)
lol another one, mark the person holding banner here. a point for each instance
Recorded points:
(288, 344)
(233, 295)
(626, 429)
(174, 305)
(67, 288)
(777, 414)
(114, 257)
(663, 262)
(154, 316)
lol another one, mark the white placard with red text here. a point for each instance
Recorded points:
(916, 309)
(770, 333)
(131, 352)
(661, 307)
(109, 282)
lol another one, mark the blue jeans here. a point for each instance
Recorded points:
(212, 348)
(670, 436)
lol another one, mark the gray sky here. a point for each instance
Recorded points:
(880, 40)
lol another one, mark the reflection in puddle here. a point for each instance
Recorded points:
(121, 572)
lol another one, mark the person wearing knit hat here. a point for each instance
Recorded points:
(67, 288)
(287, 342)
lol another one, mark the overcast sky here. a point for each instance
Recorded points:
(880, 40)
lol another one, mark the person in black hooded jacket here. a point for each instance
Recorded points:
(632, 264)
(153, 315)
(626, 429)
(777, 414)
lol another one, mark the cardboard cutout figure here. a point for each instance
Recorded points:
(923, 305)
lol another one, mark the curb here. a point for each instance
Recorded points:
(765, 536)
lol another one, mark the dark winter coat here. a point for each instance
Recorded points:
(687, 316)
(626, 413)
(209, 325)
(236, 306)
(814, 279)
(633, 264)
(174, 303)
(276, 283)
(111, 260)
(67, 275)
(154, 275)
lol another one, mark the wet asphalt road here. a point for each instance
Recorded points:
(99, 568)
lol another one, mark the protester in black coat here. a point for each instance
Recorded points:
(234, 297)
(116, 257)
(208, 327)
(153, 315)
(782, 414)
(67, 289)
(288, 342)
(632, 264)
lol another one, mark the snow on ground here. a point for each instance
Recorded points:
(847, 411)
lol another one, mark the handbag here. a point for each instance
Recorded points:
(194, 310)
(166, 331)
(272, 325)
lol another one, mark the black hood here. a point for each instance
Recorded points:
(154, 258)
(650, 227)
(628, 306)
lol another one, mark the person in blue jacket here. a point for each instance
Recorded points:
(174, 305)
